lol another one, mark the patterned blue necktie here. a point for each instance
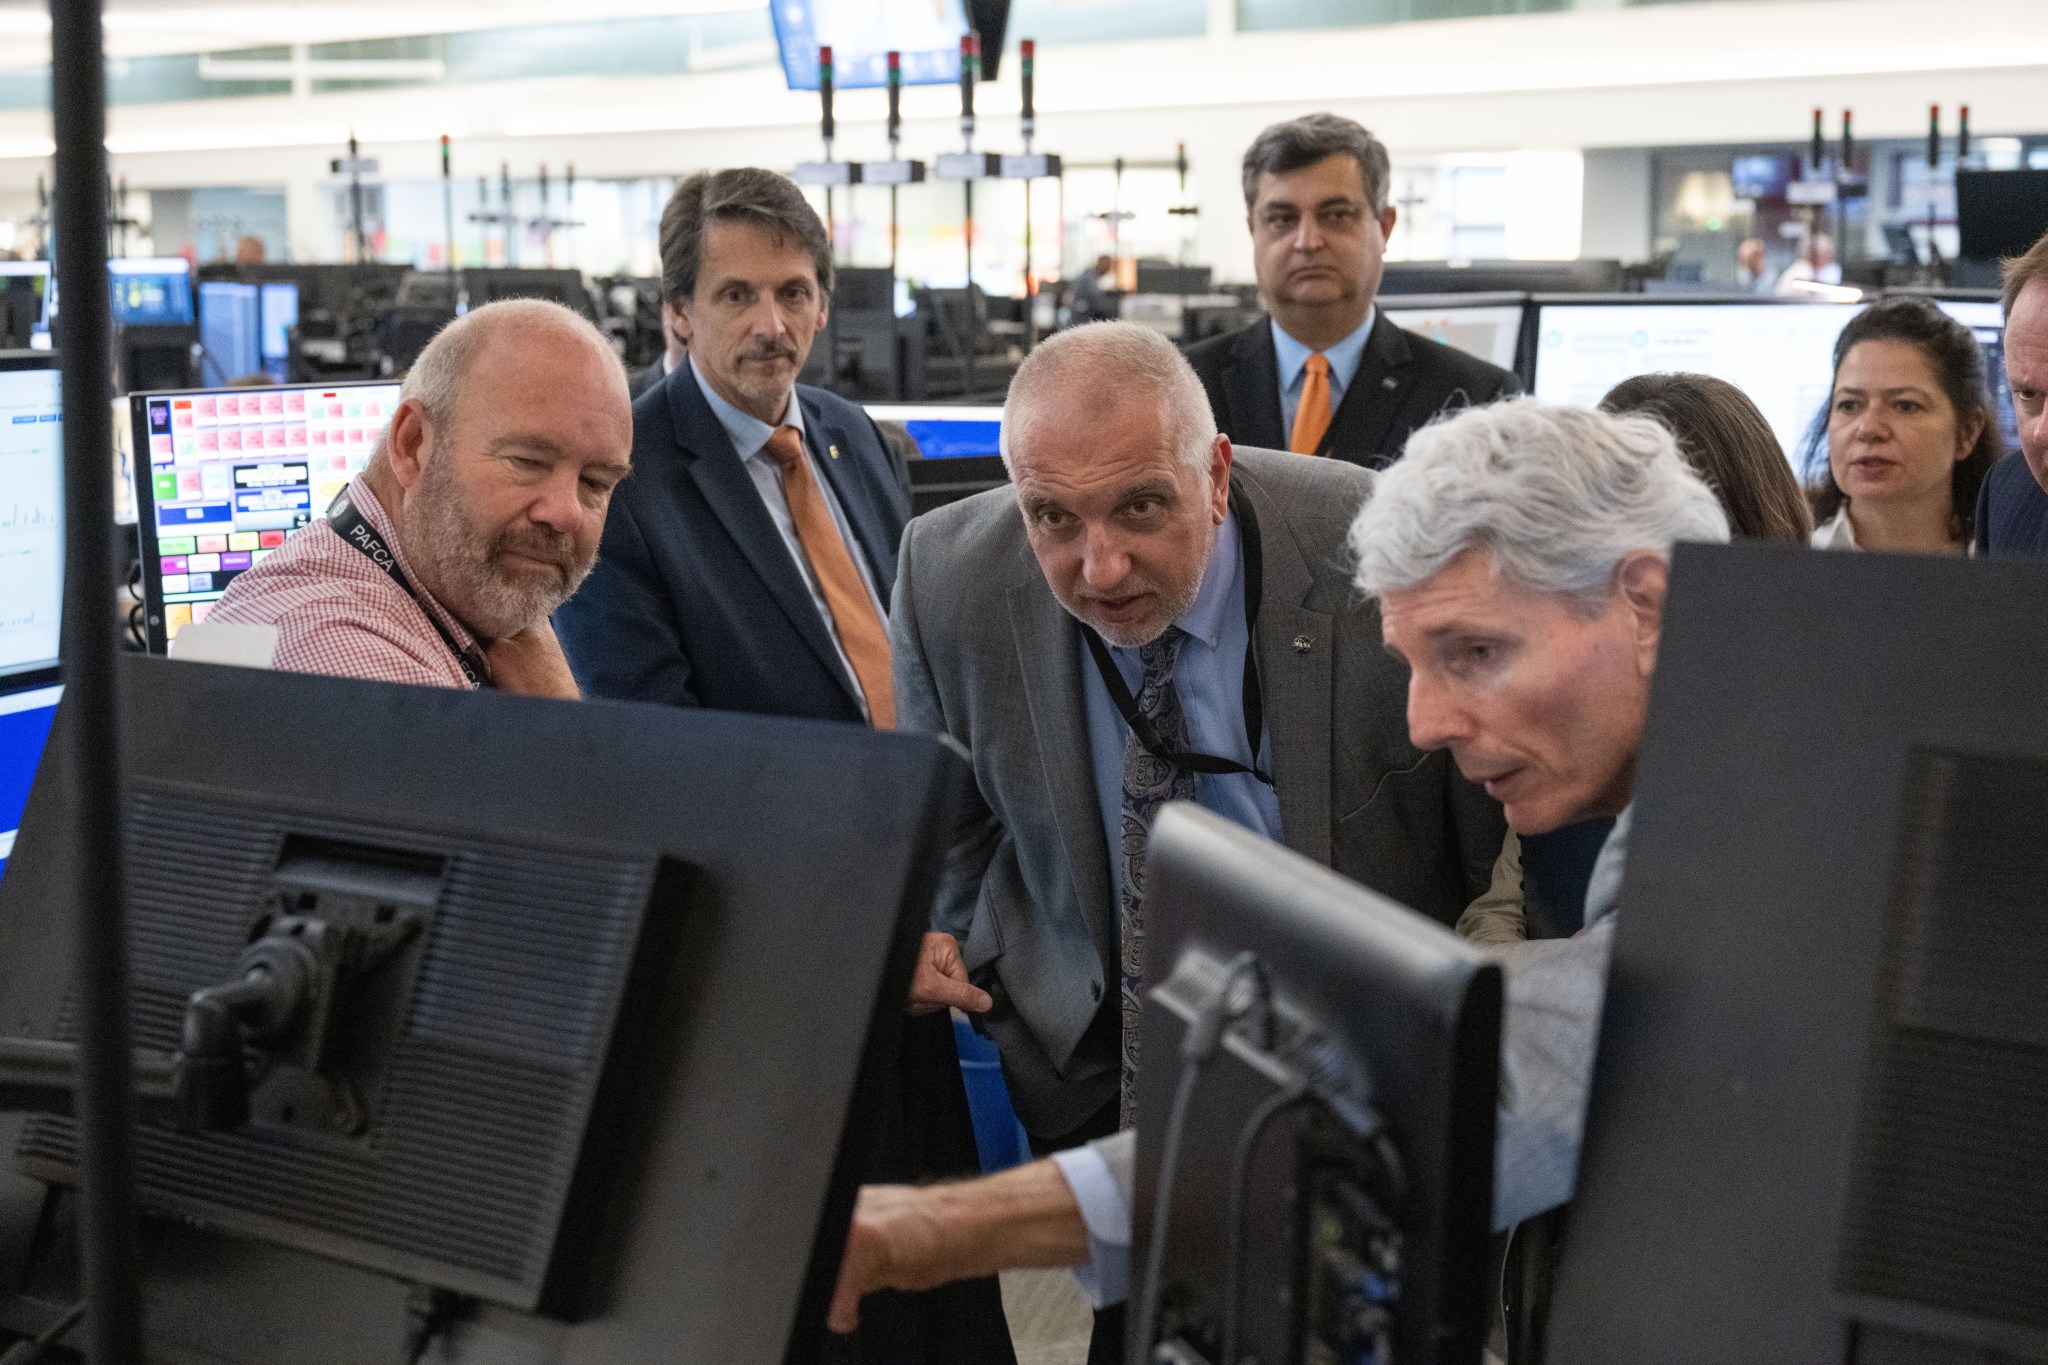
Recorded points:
(1149, 783)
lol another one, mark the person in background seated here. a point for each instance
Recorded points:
(1730, 445)
(478, 515)
(1089, 300)
(2012, 510)
(1816, 265)
(1908, 433)
(1520, 555)
(1752, 273)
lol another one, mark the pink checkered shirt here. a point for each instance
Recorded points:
(336, 612)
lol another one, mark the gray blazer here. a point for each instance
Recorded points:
(985, 653)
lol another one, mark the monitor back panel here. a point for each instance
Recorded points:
(1817, 1128)
(811, 852)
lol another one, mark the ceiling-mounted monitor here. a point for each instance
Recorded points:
(862, 33)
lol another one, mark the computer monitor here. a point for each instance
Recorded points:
(1985, 317)
(590, 1074)
(925, 37)
(31, 513)
(1819, 1117)
(230, 331)
(24, 305)
(1779, 353)
(944, 431)
(151, 291)
(2000, 214)
(25, 717)
(279, 312)
(230, 473)
(1332, 1194)
(1488, 326)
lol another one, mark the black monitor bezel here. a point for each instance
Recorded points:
(151, 587)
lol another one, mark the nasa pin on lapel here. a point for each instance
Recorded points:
(833, 451)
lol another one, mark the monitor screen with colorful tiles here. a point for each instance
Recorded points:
(231, 473)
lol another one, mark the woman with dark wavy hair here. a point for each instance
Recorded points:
(1896, 460)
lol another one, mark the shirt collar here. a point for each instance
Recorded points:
(1343, 357)
(749, 433)
(1205, 616)
(365, 501)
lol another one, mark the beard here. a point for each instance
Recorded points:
(751, 381)
(475, 575)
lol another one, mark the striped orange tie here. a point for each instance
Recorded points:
(861, 633)
(1312, 414)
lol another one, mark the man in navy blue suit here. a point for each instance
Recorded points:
(723, 579)
(747, 566)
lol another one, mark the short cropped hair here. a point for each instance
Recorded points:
(1557, 497)
(2023, 270)
(1094, 367)
(1311, 138)
(743, 195)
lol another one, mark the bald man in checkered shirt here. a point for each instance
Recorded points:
(478, 515)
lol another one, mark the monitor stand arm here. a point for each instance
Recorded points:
(284, 977)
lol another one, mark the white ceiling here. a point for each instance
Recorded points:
(141, 27)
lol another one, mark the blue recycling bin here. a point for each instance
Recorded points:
(998, 1136)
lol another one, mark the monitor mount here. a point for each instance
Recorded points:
(268, 1034)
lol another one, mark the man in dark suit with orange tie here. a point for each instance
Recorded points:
(1326, 373)
(747, 566)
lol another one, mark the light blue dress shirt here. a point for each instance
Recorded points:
(1293, 357)
(750, 438)
(1209, 677)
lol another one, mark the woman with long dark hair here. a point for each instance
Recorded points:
(1895, 461)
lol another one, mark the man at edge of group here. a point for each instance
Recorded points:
(478, 515)
(1326, 374)
(2012, 507)
(1531, 641)
(747, 566)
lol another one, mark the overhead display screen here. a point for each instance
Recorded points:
(861, 34)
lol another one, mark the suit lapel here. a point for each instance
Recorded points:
(1251, 383)
(721, 477)
(1373, 400)
(833, 452)
(1296, 680)
(1049, 659)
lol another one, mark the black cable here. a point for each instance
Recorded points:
(1198, 1049)
(1297, 1093)
(30, 1350)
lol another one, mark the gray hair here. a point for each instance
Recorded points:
(1095, 366)
(745, 194)
(1311, 138)
(437, 378)
(1557, 496)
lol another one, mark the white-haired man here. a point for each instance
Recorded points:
(478, 514)
(1519, 555)
(1149, 615)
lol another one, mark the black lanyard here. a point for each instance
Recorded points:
(354, 528)
(1254, 707)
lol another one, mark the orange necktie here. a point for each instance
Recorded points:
(854, 616)
(1312, 414)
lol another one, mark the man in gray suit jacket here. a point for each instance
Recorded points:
(1131, 518)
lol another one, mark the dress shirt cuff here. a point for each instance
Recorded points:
(1106, 1277)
